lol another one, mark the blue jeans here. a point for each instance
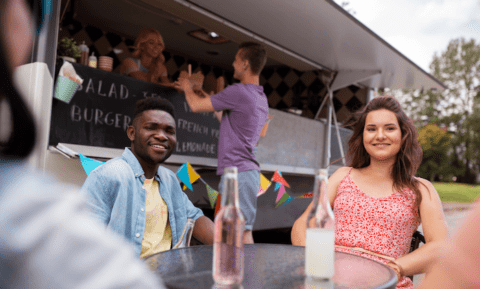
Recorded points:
(248, 186)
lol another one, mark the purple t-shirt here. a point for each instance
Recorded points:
(245, 110)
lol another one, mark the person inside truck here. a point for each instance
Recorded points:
(47, 239)
(245, 110)
(147, 62)
(136, 197)
(378, 202)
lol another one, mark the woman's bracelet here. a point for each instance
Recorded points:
(397, 268)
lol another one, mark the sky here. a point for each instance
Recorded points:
(419, 28)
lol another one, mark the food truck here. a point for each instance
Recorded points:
(322, 65)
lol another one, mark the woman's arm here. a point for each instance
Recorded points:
(434, 229)
(300, 226)
(130, 68)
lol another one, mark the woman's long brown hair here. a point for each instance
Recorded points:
(408, 158)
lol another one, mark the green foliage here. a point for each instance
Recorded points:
(456, 108)
(457, 193)
(459, 68)
(434, 138)
(436, 143)
(68, 47)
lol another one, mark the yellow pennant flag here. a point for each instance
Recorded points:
(193, 175)
(264, 185)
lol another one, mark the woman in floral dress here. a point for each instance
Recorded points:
(378, 202)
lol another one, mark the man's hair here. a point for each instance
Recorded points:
(255, 54)
(153, 103)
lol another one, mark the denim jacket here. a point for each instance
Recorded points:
(116, 197)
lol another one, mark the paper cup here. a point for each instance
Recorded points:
(105, 63)
(65, 89)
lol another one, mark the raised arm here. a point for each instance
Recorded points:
(299, 228)
(196, 102)
(434, 229)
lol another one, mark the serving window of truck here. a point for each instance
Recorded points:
(317, 51)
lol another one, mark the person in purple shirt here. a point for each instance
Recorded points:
(245, 109)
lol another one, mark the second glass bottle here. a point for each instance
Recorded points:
(228, 256)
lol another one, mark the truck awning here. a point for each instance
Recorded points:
(319, 33)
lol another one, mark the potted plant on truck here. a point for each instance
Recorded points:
(68, 49)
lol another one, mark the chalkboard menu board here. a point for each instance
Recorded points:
(102, 109)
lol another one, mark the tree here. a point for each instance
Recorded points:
(459, 68)
(457, 108)
(436, 144)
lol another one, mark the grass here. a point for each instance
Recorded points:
(457, 193)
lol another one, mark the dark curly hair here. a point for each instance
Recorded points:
(408, 158)
(153, 103)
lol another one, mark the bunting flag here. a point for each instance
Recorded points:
(286, 201)
(306, 196)
(212, 195)
(193, 175)
(218, 205)
(188, 176)
(277, 186)
(89, 164)
(283, 199)
(281, 191)
(264, 185)
(277, 177)
(182, 173)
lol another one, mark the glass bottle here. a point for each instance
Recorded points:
(320, 239)
(84, 50)
(186, 236)
(228, 255)
(92, 60)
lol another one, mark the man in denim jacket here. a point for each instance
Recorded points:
(136, 197)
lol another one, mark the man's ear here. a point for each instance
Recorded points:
(131, 133)
(246, 64)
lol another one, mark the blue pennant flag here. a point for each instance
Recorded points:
(89, 164)
(287, 201)
(182, 173)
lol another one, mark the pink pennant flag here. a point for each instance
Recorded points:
(281, 191)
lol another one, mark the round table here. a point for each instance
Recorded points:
(267, 266)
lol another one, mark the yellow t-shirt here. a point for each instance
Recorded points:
(158, 234)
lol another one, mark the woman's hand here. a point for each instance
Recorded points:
(299, 228)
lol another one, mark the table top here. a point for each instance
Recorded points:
(267, 266)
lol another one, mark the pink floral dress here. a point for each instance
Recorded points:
(382, 225)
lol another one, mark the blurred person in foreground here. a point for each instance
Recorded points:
(136, 197)
(378, 202)
(47, 238)
(243, 112)
(459, 264)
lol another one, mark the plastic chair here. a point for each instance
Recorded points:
(417, 238)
